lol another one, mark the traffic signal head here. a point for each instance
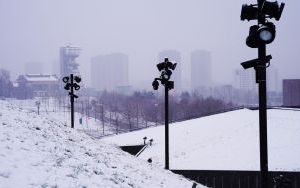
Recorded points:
(272, 9)
(249, 12)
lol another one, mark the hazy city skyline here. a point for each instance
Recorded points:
(33, 31)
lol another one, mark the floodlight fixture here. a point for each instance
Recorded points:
(272, 9)
(266, 33)
(76, 87)
(249, 12)
(65, 79)
(161, 66)
(170, 85)
(77, 79)
(251, 40)
(166, 75)
(67, 86)
(155, 84)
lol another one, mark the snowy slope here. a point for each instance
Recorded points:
(36, 151)
(51, 108)
(228, 141)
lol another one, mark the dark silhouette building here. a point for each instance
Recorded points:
(291, 92)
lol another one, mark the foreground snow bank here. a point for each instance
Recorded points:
(36, 151)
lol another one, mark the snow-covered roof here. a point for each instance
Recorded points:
(40, 77)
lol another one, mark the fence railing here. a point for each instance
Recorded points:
(241, 179)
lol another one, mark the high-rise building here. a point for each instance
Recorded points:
(291, 92)
(68, 65)
(175, 57)
(272, 79)
(245, 80)
(201, 73)
(109, 72)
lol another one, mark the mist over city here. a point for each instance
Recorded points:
(149, 93)
(33, 31)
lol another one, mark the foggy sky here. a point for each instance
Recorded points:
(33, 31)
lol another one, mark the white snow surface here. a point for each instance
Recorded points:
(39, 151)
(228, 141)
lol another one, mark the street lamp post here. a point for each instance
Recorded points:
(165, 69)
(102, 117)
(156, 113)
(38, 104)
(259, 36)
(72, 84)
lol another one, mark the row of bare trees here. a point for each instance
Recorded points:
(143, 109)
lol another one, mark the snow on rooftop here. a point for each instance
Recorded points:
(40, 77)
(228, 141)
(38, 151)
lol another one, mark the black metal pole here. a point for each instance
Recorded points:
(72, 101)
(166, 126)
(102, 117)
(263, 136)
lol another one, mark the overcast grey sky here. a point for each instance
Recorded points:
(33, 30)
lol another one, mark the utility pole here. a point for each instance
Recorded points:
(165, 68)
(259, 36)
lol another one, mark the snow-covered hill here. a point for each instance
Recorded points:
(38, 151)
(228, 141)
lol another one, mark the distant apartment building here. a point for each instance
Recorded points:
(245, 80)
(109, 72)
(175, 57)
(201, 71)
(272, 79)
(68, 65)
(291, 92)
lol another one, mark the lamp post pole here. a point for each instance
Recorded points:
(262, 89)
(165, 68)
(71, 84)
(166, 126)
(259, 35)
(72, 101)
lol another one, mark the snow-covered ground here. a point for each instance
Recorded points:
(51, 108)
(39, 151)
(228, 141)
